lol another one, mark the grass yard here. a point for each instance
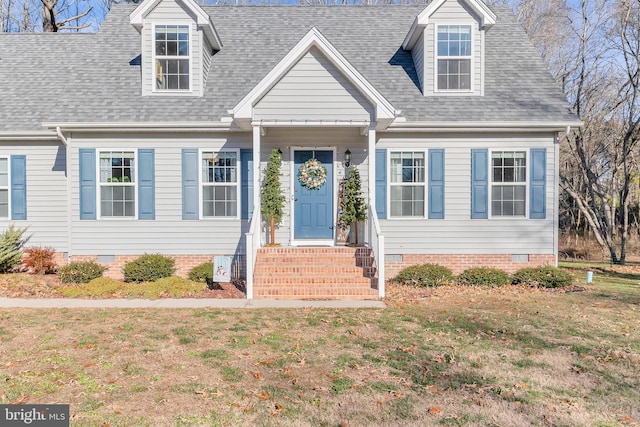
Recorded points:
(449, 356)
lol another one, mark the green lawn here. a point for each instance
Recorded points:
(501, 357)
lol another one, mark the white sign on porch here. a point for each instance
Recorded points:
(222, 268)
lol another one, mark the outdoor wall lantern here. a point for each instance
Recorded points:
(347, 158)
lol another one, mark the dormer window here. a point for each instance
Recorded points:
(172, 57)
(454, 58)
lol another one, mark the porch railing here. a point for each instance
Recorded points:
(252, 243)
(376, 242)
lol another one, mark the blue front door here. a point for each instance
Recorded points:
(313, 209)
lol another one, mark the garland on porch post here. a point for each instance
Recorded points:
(272, 201)
(354, 208)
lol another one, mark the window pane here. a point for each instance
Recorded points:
(454, 40)
(508, 200)
(219, 201)
(4, 203)
(4, 172)
(172, 48)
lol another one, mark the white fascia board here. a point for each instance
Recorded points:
(244, 109)
(521, 126)
(412, 36)
(487, 17)
(144, 127)
(203, 20)
(28, 136)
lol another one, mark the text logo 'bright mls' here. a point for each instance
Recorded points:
(34, 415)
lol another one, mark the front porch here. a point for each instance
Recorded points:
(313, 262)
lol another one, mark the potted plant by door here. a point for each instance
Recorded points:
(272, 203)
(354, 207)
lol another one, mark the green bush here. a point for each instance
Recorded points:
(12, 242)
(202, 273)
(484, 276)
(149, 268)
(546, 277)
(425, 275)
(80, 272)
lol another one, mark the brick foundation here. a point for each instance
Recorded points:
(459, 263)
(184, 263)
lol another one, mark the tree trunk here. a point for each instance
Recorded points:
(272, 227)
(357, 240)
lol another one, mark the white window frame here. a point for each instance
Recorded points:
(437, 57)
(7, 187)
(189, 57)
(400, 184)
(201, 184)
(527, 158)
(101, 184)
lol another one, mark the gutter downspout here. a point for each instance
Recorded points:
(67, 143)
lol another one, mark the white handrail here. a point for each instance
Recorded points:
(252, 241)
(376, 241)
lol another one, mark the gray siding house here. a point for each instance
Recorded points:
(153, 134)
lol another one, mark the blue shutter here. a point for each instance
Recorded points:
(479, 183)
(436, 184)
(18, 187)
(87, 183)
(538, 184)
(246, 186)
(190, 183)
(381, 183)
(146, 184)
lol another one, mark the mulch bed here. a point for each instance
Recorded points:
(23, 285)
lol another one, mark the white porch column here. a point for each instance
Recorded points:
(372, 166)
(256, 177)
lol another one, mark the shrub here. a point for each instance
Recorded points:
(547, 277)
(12, 242)
(39, 260)
(80, 272)
(425, 275)
(100, 287)
(484, 276)
(202, 273)
(149, 268)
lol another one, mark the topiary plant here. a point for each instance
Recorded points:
(149, 268)
(425, 275)
(12, 242)
(80, 272)
(547, 277)
(354, 207)
(484, 276)
(272, 200)
(202, 273)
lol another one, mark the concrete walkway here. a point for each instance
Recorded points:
(182, 303)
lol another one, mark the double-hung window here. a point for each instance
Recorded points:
(4, 187)
(172, 59)
(220, 184)
(454, 57)
(508, 183)
(407, 184)
(117, 184)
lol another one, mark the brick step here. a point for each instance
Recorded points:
(316, 294)
(315, 273)
(285, 259)
(346, 270)
(312, 281)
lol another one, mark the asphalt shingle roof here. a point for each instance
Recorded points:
(94, 77)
